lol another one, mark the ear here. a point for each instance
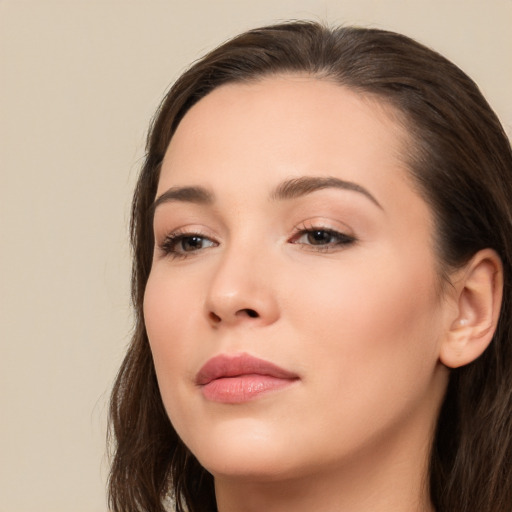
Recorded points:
(479, 289)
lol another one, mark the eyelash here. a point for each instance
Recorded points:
(341, 239)
(169, 246)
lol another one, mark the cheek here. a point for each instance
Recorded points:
(369, 345)
(171, 302)
(375, 325)
(170, 312)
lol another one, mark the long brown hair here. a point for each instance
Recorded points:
(461, 161)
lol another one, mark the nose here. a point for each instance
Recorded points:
(242, 291)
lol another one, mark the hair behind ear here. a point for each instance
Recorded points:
(473, 440)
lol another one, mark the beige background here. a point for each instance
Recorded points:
(79, 81)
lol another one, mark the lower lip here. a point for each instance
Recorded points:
(236, 390)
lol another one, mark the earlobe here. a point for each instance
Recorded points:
(479, 292)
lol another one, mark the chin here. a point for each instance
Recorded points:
(243, 449)
(243, 466)
(254, 464)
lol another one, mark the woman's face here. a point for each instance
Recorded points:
(293, 306)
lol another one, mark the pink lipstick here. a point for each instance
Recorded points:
(240, 378)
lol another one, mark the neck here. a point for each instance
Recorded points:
(379, 480)
(326, 493)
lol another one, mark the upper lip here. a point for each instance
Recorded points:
(224, 366)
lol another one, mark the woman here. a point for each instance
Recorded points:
(322, 244)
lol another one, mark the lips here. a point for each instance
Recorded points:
(241, 378)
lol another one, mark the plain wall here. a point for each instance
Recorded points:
(79, 81)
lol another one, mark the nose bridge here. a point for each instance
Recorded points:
(242, 285)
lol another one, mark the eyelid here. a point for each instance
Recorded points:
(325, 224)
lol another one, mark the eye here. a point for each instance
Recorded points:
(322, 238)
(182, 244)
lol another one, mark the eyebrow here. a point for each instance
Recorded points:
(298, 187)
(197, 195)
(289, 189)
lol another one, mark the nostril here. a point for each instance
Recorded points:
(215, 318)
(246, 312)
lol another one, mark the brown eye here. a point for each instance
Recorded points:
(181, 244)
(192, 243)
(319, 237)
(322, 238)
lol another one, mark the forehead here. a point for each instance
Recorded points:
(292, 124)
